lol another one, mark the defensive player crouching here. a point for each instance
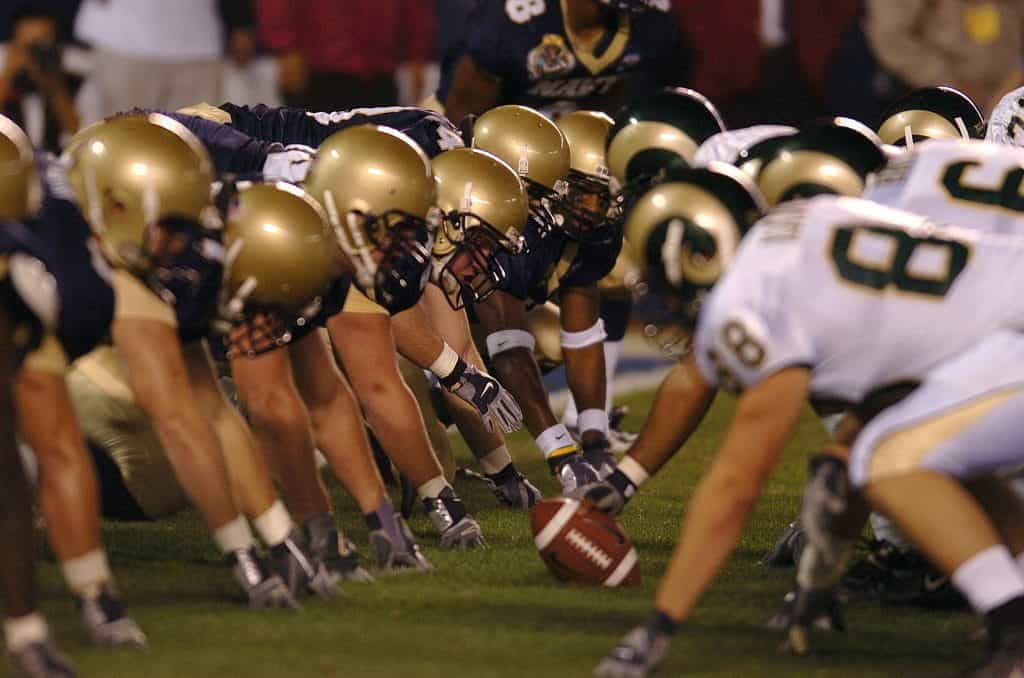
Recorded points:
(777, 348)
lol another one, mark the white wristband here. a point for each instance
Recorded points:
(445, 362)
(592, 420)
(506, 340)
(632, 469)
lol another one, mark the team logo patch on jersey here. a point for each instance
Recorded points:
(551, 57)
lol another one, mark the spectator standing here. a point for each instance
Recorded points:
(158, 54)
(973, 45)
(764, 61)
(35, 92)
(336, 55)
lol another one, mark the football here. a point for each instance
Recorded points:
(581, 544)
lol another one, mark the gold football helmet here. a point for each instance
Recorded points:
(282, 257)
(834, 157)
(931, 113)
(143, 183)
(377, 188)
(683, 233)
(595, 213)
(537, 150)
(484, 207)
(19, 186)
(658, 133)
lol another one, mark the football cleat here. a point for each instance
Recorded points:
(396, 550)
(599, 455)
(456, 527)
(573, 472)
(894, 576)
(301, 570)
(41, 660)
(636, 656)
(264, 588)
(106, 623)
(335, 556)
(788, 547)
(804, 610)
(512, 488)
(1005, 660)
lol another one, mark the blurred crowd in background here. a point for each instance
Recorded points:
(66, 63)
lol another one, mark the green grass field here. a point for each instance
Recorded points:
(497, 612)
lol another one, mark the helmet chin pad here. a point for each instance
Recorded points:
(473, 272)
(405, 266)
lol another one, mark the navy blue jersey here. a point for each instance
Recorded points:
(433, 132)
(60, 238)
(231, 150)
(525, 45)
(553, 262)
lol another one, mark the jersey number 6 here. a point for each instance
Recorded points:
(1007, 195)
(940, 261)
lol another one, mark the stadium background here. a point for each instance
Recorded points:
(497, 613)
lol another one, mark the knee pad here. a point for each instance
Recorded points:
(506, 340)
(594, 334)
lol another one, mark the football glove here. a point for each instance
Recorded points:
(291, 164)
(804, 610)
(487, 395)
(609, 495)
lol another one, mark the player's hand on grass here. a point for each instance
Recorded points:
(487, 395)
(804, 610)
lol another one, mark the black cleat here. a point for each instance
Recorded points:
(457, 529)
(788, 547)
(41, 660)
(894, 576)
(337, 556)
(106, 623)
(395, 550)
(264, 588)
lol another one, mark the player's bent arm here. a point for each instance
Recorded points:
(582, 339)
(473, 91)
(158, 377)
(415, 337)
(17, 567)
(766, 415)
(679, 406)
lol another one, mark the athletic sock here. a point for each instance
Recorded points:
(274, 525)
(432, 488)
(86, 574)
(661, 624)
(989, 579)
(234, 535)
(22, 631)
(556, 442)
(510, 472)
(495, 460)
(385, 518)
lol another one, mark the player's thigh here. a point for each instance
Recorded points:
(966, 418)
(202, 377)
(366, 347)
(317, 376)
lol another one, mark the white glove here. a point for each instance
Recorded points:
(291, 164)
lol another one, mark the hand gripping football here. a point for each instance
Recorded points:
(581, 544)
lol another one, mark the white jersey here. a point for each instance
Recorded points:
(863, 295)
(726, 146)
(968, 183)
